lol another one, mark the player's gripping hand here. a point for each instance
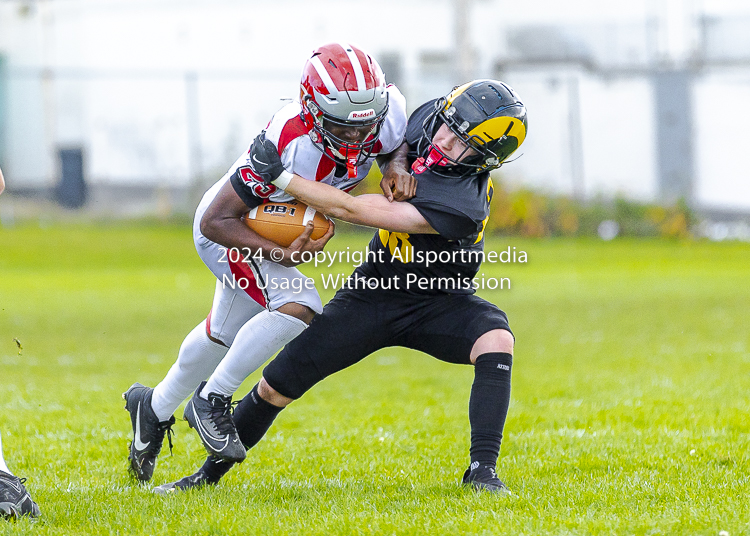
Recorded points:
(304, 248)
(398, 184)
(265, 160)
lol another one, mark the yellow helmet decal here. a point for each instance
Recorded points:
(497, 127)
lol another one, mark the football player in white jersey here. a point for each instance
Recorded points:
(346, 117)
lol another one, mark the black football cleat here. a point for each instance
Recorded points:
(198, 480)
(148, 432)
(483, 478)
(212, 420)
(15, 501)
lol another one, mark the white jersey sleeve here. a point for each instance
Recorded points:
(394, 127)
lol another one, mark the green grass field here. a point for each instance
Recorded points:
(629, 413)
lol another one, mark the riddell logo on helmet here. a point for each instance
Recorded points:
(362, 115)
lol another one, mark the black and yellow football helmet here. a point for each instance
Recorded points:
(487, 116)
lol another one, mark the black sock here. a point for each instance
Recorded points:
(253, 417)
(488, 406)
(215, 468)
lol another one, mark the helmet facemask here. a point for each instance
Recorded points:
(490, 122)
(354, 153)
(475, 157)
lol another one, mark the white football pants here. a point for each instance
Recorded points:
(245, 287)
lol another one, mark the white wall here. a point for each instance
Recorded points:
(616, 135)
(119, 90)
(722, 138)
(119, 86)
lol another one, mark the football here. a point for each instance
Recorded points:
(283, 222)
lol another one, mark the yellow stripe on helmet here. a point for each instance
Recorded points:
(496, 127)
(456, 92)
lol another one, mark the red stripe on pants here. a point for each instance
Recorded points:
(245, 279)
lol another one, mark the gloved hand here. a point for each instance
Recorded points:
(265, 160)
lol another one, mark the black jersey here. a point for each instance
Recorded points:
(457, 208)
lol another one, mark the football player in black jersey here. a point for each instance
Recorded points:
(398, 297)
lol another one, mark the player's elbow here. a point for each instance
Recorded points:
(210, 227)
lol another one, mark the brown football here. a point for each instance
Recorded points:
(283, 222)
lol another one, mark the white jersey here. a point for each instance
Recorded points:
(257, 288)
(301, 156)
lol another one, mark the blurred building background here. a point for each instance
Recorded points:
(136, 106)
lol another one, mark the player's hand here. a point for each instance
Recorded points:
(398, 184)
(303, 243)
(264, 159)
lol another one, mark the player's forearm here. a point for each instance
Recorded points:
(2, 182)
(327, 199)
(232, 233)
(222, 223)
(370, 210)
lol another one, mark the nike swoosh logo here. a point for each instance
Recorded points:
(261, 163)
(15, 485)
(203, 430)
(139, 445)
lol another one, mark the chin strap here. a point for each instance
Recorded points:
(351, 156)
(351, 163)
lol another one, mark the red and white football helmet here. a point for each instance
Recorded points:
(342, 88)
